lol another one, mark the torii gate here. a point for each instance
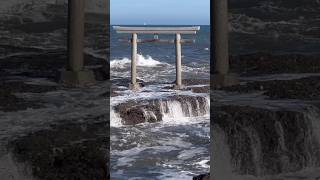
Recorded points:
(157, 30)
(221, 77)
(75, 74)
(220, 42)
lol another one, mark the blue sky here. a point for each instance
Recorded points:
(160, 12)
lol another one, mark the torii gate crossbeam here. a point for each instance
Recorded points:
(157, 30)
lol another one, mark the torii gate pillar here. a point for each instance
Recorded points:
(134, 85)
(75, 74)
(178, 84)
(222, 76)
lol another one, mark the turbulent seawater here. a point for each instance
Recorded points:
(274, 26)
(156, 61)
(177, 147)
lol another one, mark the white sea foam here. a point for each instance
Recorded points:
(115, 119)
(145, 61)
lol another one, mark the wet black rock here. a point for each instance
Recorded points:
(198, 104)
(65, 151)
(267, 142)
(202, 177)
(305, 88)
(264, 63)
(203, 89)
(10, 102)
(189, 82)
(133, 112)
(21, 87)
(47, 64)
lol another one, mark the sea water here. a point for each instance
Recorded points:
(178, 146)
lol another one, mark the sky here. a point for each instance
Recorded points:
(160, 12)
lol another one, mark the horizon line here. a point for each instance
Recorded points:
(160, 24)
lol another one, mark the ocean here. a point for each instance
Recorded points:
(273, 26)
(178, 146)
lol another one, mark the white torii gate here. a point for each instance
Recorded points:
(157, 30)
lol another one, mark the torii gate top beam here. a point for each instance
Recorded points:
(157, 30)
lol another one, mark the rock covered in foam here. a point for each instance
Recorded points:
(135, 112)
(267, 142)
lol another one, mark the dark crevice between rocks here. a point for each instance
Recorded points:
(66, 151)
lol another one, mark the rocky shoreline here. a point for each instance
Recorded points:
(75, 144)
(269, 120)
(65, 151)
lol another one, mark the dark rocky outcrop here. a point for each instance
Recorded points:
(189, 82)
(138, 112)
(264, 63)
(9, 102)
(305, 88)
(202, 177)
(267, 142)
(65, 151)
(203, 89)
(135, 112)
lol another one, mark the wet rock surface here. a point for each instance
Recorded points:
(265, 63)
(9, 102)
(203, 89)
(189, 82)
(65, 151)
(47, 64)
(305, 88)
(136, 112)
(270, 136)
(202, 177)
(266, 142)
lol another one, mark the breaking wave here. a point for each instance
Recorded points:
(144, 61)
